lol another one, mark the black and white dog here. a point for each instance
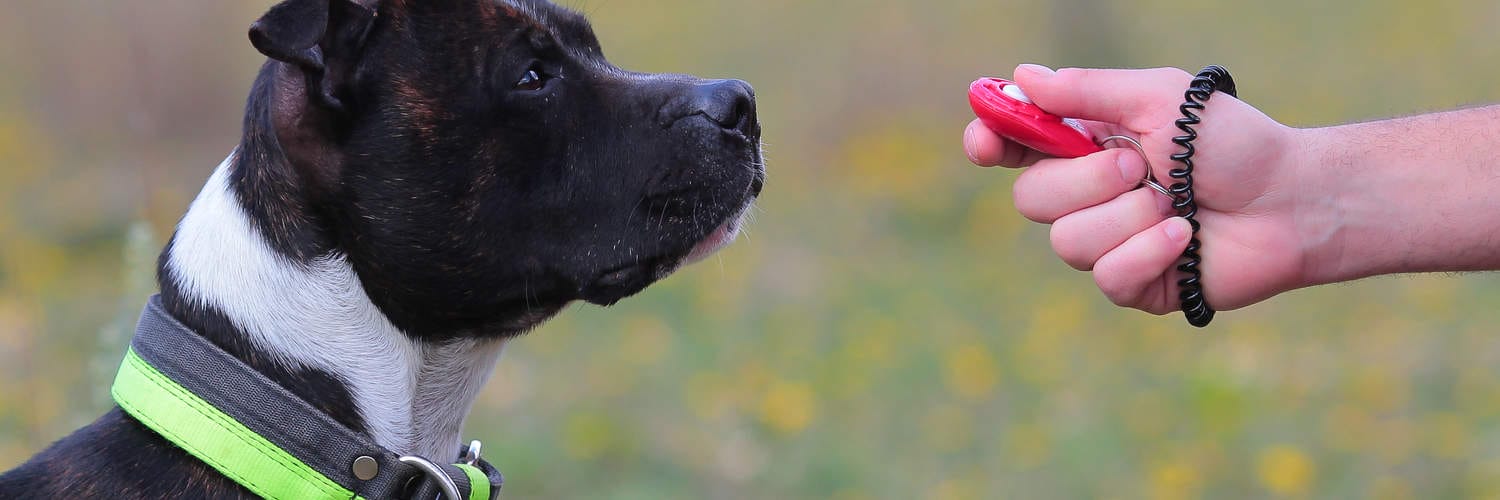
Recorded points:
(418, 182)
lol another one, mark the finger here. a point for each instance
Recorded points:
(987, 149)
(1082, 237)
(1054, 188)
(1139, 273)
(1130, 97)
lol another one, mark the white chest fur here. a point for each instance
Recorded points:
(413, 396)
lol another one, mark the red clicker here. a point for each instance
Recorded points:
(1004, 109)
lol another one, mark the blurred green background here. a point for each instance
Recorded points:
(890, 327)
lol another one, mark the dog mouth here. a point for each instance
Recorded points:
(618, 283)
(721, 237)
(729, 230)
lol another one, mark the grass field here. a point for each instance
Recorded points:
(889, 327)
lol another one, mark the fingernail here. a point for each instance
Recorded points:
(1131, 167)
(969, 145)
(1036, 69)
(1178, 230)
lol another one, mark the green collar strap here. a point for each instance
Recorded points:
(268, 440)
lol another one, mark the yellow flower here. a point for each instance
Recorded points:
(1175, 480)
(1449, 437)
(788, 407)
(880, 164)
(972, 372)
(1285, 470)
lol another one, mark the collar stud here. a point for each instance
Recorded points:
(365, 468)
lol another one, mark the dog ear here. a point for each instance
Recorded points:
(323, 38)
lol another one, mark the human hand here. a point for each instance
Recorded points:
(1247, 181)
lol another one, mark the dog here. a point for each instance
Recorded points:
(419, 181)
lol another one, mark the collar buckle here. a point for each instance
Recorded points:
(471, 455)
(444, 482)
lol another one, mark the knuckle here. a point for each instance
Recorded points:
(1072, 77)
(1146, 204)
(1172, 75)
(1173, 72)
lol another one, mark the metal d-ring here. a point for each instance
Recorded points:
(1150, 179)
(445, 483)
(471, 456)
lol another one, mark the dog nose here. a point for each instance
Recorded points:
(728, 103)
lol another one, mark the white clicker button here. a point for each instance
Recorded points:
(1015, 92)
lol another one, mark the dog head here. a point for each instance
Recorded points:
(482, 164)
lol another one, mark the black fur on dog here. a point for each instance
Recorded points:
(482, 164)
(479, 163)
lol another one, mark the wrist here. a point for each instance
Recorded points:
(1395, 196)
(1353, 214)
(1322, 218)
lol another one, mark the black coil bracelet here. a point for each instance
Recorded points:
(1212, 79)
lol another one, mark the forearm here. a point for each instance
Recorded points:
(1419, 194)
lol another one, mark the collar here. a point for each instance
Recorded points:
(257, 433)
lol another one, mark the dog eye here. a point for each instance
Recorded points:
(532, 80)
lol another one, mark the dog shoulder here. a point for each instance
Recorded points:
(117, 458)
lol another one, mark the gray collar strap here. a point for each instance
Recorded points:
(267, 439)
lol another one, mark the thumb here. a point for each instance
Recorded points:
(1120, 96)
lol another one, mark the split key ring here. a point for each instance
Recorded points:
(1150, 179)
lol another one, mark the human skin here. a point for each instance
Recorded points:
(1281, 208)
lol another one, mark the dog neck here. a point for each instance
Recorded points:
(310, 326)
